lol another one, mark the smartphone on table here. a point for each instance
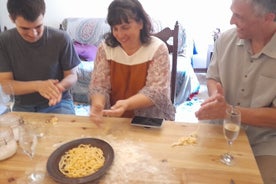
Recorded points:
(147, 122)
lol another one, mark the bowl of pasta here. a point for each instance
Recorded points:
(80, 161)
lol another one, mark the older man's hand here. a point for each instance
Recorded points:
(213, 107)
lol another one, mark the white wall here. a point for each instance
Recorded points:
(3, 14)
(200, 17)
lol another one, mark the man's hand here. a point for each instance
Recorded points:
(54, 101)
(213, 107)
(51, 90)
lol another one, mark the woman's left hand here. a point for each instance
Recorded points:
(116, 110)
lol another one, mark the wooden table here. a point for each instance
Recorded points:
(142, 155)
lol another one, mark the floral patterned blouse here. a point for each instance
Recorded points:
(117, 75)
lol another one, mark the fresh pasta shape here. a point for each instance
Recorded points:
(189, 140)
(81, 161)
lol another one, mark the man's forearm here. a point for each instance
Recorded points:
(211, 85)
(265, 116)
(68, 81)
(70, 78)
(23, 87)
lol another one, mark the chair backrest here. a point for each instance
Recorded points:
(165, 34)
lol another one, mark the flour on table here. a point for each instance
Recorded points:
(132, 159)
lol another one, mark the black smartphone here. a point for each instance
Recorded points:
(147, 122)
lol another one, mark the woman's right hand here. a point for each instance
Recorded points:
(96, 114)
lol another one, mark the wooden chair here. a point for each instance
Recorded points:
(165, 34)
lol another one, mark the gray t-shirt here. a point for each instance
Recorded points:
(45, 59)
(248, 81)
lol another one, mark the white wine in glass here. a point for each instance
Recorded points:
(231, 129)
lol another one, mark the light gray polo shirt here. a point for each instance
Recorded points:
(248, 81)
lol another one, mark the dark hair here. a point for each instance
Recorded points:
(120, 11)
(28, 9)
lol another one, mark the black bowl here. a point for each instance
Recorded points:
(53, 161)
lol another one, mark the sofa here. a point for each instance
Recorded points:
(87, 34)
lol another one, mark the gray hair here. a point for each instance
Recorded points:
(262, 7)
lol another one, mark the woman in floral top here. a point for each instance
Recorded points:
(131, 74)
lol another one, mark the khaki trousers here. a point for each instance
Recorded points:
(267, 167)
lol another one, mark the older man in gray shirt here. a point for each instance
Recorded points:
(243, 73)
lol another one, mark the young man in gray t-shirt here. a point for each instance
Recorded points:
(39, 62)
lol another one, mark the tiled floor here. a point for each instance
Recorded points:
(82, 110)
(186, 111)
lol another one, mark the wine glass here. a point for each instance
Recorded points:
(231, 128)
(28, 141)
(6, 98)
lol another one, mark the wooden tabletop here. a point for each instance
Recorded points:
(142, 155)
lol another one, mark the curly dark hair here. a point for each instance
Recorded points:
(120, 11)
(28, 9)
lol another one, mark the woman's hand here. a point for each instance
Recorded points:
(117, 110)
(96, 114)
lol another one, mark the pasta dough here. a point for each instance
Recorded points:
(189, 140)
(81, 161)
